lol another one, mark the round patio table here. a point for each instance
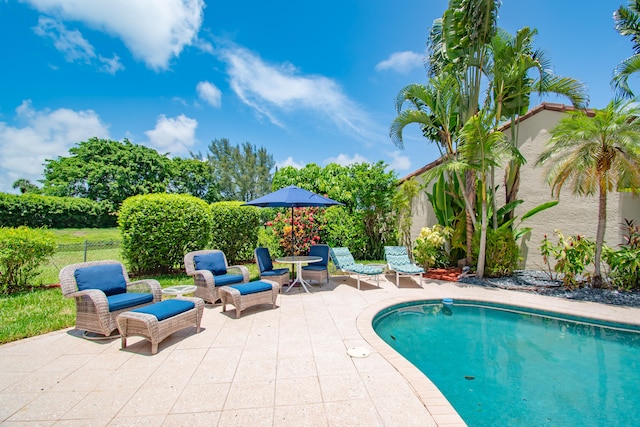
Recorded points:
(179, 290)
(298, 261)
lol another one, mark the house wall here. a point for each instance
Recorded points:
(573, 214)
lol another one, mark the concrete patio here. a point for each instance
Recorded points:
(282, 367)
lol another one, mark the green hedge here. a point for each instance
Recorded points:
(158, 229)
(22, 251)
(234, 230)
(34, 210)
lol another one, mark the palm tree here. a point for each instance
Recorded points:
(597, 154)
(517, 70)
(627, 21)
(482, 149)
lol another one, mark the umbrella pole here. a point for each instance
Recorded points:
(293, 236)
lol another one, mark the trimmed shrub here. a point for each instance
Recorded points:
(34, 210)
(234, 230)
(158, 229)
(502, 252)
(22, 251)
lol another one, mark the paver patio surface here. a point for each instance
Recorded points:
(283, 367)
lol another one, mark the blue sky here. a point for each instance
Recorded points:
(310, 81)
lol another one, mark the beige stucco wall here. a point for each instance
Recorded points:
(573, 215)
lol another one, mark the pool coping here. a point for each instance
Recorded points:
(443, 413)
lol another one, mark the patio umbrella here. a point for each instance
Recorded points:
(292, 197)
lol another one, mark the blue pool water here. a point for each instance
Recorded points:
(499, 366)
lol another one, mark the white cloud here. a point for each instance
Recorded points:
(112, 65)
(398, 161)
(69, 42)
(290, 162)
(45, 135)
(154, 32)
(274, 90)
(346, 160)
(173, 135)
(209, 93)
(401, 62)
(74, 46)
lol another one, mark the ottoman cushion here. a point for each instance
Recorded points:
(166, 309)
(252, 287)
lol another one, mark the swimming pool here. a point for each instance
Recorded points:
(502, 365)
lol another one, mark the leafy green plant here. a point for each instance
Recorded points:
(158, 229)
(22, 251)
(624, 263)
(431, 248)
(572, 256)
(625, 267)
(503, 254)
(234, 230)
(506, 211)
(346, 229)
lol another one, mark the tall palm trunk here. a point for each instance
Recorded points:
(483, 231)
(602, 223)
(470, 198)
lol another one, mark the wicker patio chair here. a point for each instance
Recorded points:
(398, 260)
(102, 290)
(317, 271)
(210, 270)
(265, 266)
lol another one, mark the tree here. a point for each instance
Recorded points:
(482, 149)
(193, 176)
(25, 186)
(469, 54)
(367, 191)
(513, 60)
(627, 23)
(596, 154)
(241, 172)
(107, 170)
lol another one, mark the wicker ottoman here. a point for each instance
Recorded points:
(249, 294)
(157, 321)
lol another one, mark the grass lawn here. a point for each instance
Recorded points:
(45, 309)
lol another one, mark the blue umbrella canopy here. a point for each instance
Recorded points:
(292, 197)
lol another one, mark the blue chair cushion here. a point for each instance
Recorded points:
(322, 251)
(366, 269)
(314, 267)
(252, 287)
(264, 260)
(108, 278)
(126, 300)
(213, 262)
(407, 268)
(165, 309)
(276, 272)
(228, 279)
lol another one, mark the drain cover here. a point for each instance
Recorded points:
(358, 352)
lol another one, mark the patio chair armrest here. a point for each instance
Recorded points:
(150, 284)
(244, 270)
(205, 275)
(96, 296)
